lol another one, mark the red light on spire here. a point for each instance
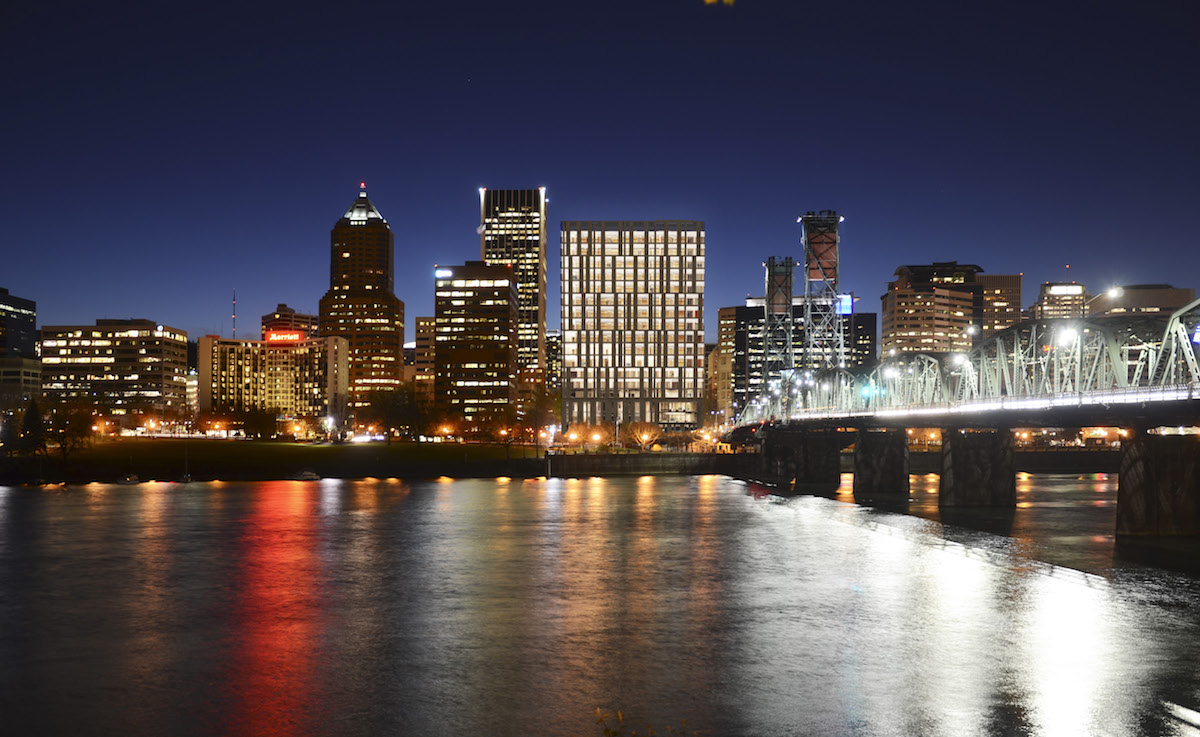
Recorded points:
(362, 185)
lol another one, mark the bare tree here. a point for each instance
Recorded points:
(642, 434)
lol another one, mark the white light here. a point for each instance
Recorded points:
(443, 273)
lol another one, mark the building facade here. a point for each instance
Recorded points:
(285, 374)
(475, 342)
(424, 355)
(20, 368)
(554, 362)
(1057, 300)
(632, 322)
(122, 367)
(932, 308)
(1001, 301)
(1141, 299)
(360, 305)
(512, 232)
(286, 320)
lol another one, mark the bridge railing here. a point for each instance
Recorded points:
(1125, 395)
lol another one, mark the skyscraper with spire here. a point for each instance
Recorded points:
(360, 305)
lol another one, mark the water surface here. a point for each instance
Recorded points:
(510, 607)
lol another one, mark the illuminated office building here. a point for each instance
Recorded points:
(360, 305)
(513, 233)
(554, 361)
(20, 369)
(119, 366)
(1060, 300)
(632, 322)
(1001, 301)
(932, 308)
(286, 320)
(285, 373)
(475, 346)
(424, 356)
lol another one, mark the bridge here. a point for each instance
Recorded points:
(1138, 371)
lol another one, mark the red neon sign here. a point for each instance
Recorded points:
(273, 335)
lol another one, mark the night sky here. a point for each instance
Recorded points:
(158, 156)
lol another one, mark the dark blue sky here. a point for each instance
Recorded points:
(158, 156)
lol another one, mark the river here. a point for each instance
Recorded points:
(517, 607)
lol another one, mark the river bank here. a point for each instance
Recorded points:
(170, 459)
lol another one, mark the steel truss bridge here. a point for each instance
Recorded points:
(1100, 370)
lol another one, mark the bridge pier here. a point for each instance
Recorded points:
(977, 469)
(809, 458)
(1158, 490)
(881, 462)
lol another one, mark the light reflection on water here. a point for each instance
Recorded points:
(519, 606)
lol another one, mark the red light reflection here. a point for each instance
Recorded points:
(271, 686)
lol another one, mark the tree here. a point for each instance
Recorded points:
(405, 410)
(259, 423)
(70, 428)
(642, 434)
(10, 437)
(544, 409)
(33, 429)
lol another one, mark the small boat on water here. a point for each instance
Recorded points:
(306, 475)
(129, 479)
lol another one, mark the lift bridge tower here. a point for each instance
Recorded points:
(779, 357)
(786, 375)
(824, 339)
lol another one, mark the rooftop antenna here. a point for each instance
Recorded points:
(235, 313)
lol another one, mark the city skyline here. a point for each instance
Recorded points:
(165, 175)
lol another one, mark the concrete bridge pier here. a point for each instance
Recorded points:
(977, 469)
(811, 459)
(881, 462)
(1158, 491)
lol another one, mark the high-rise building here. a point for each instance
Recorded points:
(712, 416)
(20, 369)
(554, 361)
(297, 377)
(120, 366)
(512, 232)
(475, 353)
(932, 308)
(632, 317)
(286, 320)
(1001, 301)
(1058, 300)
(424, 358)
(360, 305)
(741, 372)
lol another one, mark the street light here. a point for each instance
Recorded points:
(1112, 293)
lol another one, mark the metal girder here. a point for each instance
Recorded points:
(1047, 359)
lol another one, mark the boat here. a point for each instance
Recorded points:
(129, 479)
(306, 475)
